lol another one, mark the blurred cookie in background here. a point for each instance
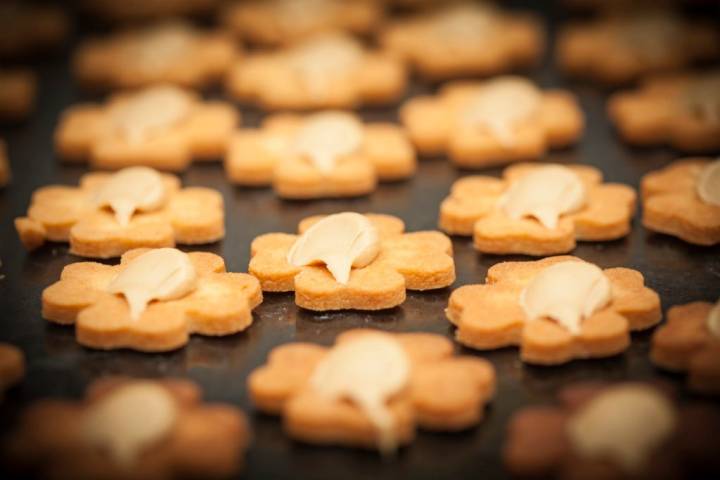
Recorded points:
(17, 94)
(27, 28)
(132, 10)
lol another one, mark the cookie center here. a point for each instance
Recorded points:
(713, 320)
(624, 425)
(132, 189)
(545, 193)
(708, 184)
(367, 371)
(160, 274)
(463, 22)
(302, 13)
(339, 241)
(130, 419)
(325, 58)
(325, 137)
(567, 292)
(163, 45)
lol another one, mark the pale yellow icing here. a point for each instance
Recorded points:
(324, 137)
(708, 184)
(713, 320)
(132, 189)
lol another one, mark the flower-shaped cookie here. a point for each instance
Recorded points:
(206, 301)
(556, 310)
(498, 121)
(324, 71)
(5, 173)
(132, 10)
(466, 39)
(618, 49)
(85, 215)
(12, 366)
(410, 380)
(621, 431)
(681, 110)
(162, 127)
(690, 342)
(281, 22)
(503, 220)
(401, 261)
(27, 28)
(327, 154)
(131, 428)
(17, 94)
(682, 200)
(174, 53)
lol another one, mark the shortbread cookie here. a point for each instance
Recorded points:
(325, 71)
(131, 428)
(281, 22)
(466, 39)
(27, 28)
(618, 49)
(172, 52)
(372, 389)
(690, 342)
(681, 110)
(12, 366)
(5, 174)
(133, 10)
(620, 431)
(352, 261)
(109, 214)
(327, 154)
(556, 310)
(152, 301)
(498, 121)
(683, 200)
(538, 209)
(17, 94)
(163, 127)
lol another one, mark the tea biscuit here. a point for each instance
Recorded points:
(218, 303)
(330, 70)
(477, 206)
(327, 154)
(681, 110)
(497, 314)
(466, 39)
(5, 174)
(618, 49)
(498, 121)
(136, 10)
(27, 28)
(282, 22)
(57, 213)
(12, 366)
(131, 428)
(625, 430)
(438, 391)
(690, 342)
(169, 52)
(17, 94)
(403, 261)
(672, 203)
(163, 127)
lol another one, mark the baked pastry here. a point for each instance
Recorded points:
(17, 94)
(137, 10)
(27, 28)
(12, 366)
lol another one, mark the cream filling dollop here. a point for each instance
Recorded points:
(708, 184)
(567, 292)
(162, 45)
(545, 193)
(132, 189)
(367, 371)
(625, 425)
(302, 13)
(160, 274)
(713, 320)
(463, 22)
(325, 137)
(340, 241)
(702, 98)
(501, 104)
(321, 59)
(128, 420)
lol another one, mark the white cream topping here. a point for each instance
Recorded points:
(302, 13)
(625, 425)
(713, 320)
(367, 371)
(323, 58)
(159, 46)
(567, 292)
(703, 98)
(340, 241)
(708, 184)
(160, 274)
(324, 137)
(132, 189)
(128, 420)
(463, 22)
(545, 193)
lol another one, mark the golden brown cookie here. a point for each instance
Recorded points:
(131, 428)
(330, 70)
(163, 127)
(483, 207)
(135, 10)
(206, 301)
(85, 217)
(170, 52)
(17, 94)
(27, 28)
(401, 261)
(690, 342)
(672, 203)
(553, 310)
(282, 22)
(327, 154)
(622, 431)
(411, 380)
(466, 39)
(498, 121)
(12, 366)
(681, 110)
(5, 173)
